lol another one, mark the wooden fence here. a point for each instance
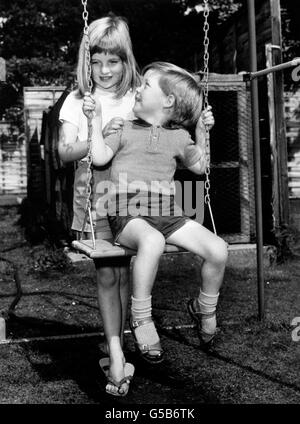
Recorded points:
(292, 113)
(13, 165)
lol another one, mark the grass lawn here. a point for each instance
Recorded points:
(252, 362)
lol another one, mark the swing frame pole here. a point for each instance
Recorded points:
(248, 76)
(257, 159)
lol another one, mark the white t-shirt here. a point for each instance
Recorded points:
(71, 110)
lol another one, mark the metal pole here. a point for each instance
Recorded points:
(291, 63)
(257, 161)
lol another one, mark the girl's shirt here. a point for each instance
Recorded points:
(71, 110)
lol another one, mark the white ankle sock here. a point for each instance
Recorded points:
(207, 305)
(141, 309)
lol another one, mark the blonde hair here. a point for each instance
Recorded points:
(185, 88)
(109, 35)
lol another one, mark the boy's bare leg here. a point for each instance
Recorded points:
(149, 243)
(213, 250)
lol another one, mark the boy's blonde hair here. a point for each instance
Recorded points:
(185, 89)
(109, 35)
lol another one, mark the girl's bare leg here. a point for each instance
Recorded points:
(112, 301)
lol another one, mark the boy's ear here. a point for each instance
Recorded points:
(170, 100)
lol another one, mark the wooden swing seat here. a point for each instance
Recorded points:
(105, 249)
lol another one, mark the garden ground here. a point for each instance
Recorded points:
(54, 338)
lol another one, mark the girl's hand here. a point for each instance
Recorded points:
(206, 119)
(113, 126)
(90, 107)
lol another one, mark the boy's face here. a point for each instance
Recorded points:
(149, 99)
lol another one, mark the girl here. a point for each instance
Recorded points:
(142, 211)
(115, 78)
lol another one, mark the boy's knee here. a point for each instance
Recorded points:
(221, 252)
(154, 243)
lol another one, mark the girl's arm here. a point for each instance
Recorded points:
(101, 153)
(206, 118)
(69, 146)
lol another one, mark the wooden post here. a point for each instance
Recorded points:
(279, 122)
(273, 138)
(2, 69)
(2, 330)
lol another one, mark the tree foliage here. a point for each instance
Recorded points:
(290, 17)
(39, 38)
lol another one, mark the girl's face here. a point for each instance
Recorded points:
(107, 70)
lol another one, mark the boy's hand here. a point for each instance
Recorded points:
(90, 107)
(113, 126)
(206, 119)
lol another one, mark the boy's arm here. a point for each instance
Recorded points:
(101, 153)
(206, 118)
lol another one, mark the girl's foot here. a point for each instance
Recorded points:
(116, 384)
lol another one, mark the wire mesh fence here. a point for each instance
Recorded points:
(231, 185)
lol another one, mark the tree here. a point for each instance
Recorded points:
(37, 36)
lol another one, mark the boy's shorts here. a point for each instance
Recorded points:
(167, 225)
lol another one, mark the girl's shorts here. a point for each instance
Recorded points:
(100, 221)
(167, 225)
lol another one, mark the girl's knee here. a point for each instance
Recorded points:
(106, 277)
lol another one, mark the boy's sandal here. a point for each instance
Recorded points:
(206, 339)
(144, 350)
(128, 371)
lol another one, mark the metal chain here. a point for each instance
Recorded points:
(85, 16)
(205, 98)
(205, 105)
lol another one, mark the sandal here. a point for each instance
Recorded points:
(128, 371)
(144, 349)
(206, 339)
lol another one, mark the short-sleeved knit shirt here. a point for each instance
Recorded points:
(144, 164)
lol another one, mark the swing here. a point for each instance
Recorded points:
(97, 248)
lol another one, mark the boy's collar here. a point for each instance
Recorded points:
(142, 123)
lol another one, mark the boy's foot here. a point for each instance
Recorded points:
(206, 331)
(151, 353)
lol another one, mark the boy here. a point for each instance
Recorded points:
(142, 212)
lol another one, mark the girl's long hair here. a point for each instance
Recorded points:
(109, 35)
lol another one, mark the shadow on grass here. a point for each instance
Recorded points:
(177, 335)
(28, 327)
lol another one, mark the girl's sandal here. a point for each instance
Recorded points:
(128, 370)
(144, 350)
(206, 339)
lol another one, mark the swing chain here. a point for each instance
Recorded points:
(85, 16)
(205, 105)
(205, 98)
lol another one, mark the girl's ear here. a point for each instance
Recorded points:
(170, 100)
